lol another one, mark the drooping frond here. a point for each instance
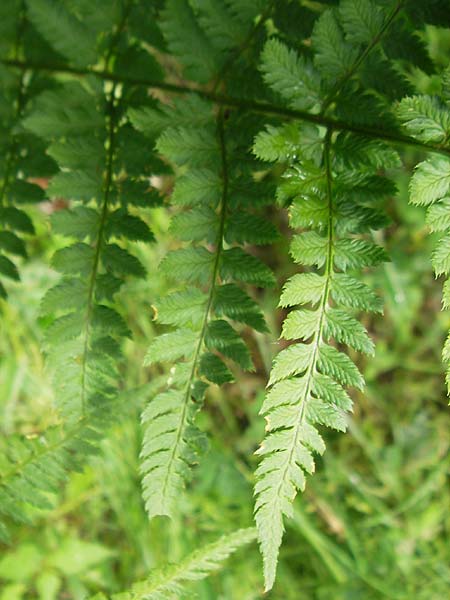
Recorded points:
(171, 581)
(217, 200)
(322, 184)
(33, 468)
(87, 133)
(208, 305)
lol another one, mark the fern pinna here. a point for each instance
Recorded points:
(217, 199)
(113, 105)
(170, 582)
(337, 196)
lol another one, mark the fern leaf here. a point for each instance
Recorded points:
(184, 308)
(171, 346)
(206, 338)
(426, 118)
(188, 41)
(239, 265)
(80, 222)
(171, 581)
(84, 128)
(197, 224)
(306, 378)
(431, 181)
(232, 302)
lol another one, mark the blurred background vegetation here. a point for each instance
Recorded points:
(373, 522)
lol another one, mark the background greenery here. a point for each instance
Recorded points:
(373, 522)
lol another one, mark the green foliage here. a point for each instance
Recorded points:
(224, 118)
(206, 342)
(307, 378)
(429, 120)
(31, 469)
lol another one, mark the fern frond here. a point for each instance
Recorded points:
(86, 131)
(307, 378)
(204, 340)
(32, 469)
(191, 137)
(171, 581)
(77, 330)
(208, 190)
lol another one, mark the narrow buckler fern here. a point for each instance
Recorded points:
(239, 119)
